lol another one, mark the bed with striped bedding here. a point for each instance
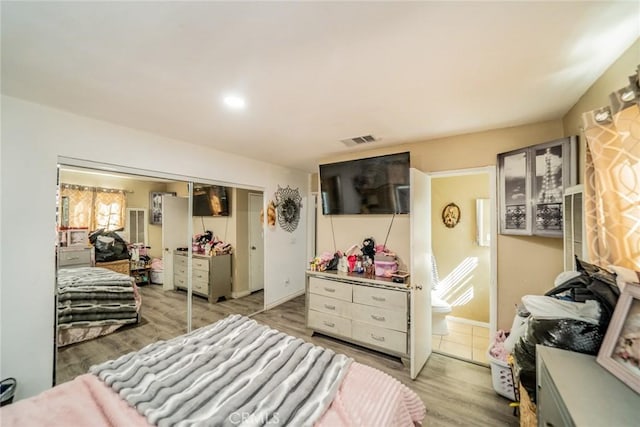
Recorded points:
(94, 301)
(234, 372)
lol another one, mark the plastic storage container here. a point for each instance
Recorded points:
(385, 268)
(156, 276)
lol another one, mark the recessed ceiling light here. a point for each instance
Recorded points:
(235, 102)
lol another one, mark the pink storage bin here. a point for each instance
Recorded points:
(385, 268)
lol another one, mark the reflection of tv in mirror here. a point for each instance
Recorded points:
(211, 200)
(375, 185)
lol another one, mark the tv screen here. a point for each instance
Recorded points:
(374, 185)
(211, 200)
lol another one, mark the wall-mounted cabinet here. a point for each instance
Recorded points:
(531, 184)
(575, 243)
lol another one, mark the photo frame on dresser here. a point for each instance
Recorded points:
(620, 350)
(531, 183)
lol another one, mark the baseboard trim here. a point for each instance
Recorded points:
(285, 299)
(468, 321)
(240, 294)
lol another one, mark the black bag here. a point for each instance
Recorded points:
(113, 251)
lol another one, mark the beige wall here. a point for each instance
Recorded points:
(526, 265)
(455, 247)
(616, 77)
(137, 197)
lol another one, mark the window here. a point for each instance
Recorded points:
(92, 208)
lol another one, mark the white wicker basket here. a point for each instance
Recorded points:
(156, 277)
(502, 378)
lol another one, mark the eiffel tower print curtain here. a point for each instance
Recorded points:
(612, 179)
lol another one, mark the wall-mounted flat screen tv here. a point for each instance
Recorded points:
(211, 200)
(374, 185)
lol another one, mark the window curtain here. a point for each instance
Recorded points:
(94, 208)
(612, 179)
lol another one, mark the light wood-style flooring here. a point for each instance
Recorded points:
(455, 393)
(164, 316)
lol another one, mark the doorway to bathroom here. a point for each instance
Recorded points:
(463, 244)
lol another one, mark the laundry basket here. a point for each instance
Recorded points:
(7, 390)
(502, 378)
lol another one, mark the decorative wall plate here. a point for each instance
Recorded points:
(451, 215)
(288, 203)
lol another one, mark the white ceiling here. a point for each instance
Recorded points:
(313, 73)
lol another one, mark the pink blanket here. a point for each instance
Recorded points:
(367, 397)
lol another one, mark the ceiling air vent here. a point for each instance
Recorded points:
(365, 139)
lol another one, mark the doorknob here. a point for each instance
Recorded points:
(253, 247)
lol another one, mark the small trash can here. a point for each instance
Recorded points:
(7, 390)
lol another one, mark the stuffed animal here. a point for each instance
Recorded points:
(369, 248)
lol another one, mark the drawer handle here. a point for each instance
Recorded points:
(329, 324)
(329, 289)
(381, 299)
(330, 307)
(377, 338)
(378, 318)
(73, 257)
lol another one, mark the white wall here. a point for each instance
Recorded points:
(33, 136)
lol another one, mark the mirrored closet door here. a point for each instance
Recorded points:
(113, 221)
(221, 253)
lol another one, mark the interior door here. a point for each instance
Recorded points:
(175, 233)
(420, 227)
(256, 243)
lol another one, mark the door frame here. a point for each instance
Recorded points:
(493, 245)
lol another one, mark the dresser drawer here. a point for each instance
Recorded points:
(200, 276)
(75, 257)
(330, 305)
(180, 260)
(200, 264)
(381, 317)
(180, 270)
(330, 288)
(200, 287)
(329, 323)
(380, 337)
(384, 298)
(180, 281)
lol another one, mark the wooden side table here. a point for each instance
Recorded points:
(142, 274)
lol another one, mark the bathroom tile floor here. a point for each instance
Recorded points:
(464, 341)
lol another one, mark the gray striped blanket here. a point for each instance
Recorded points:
(94, 296)
(233, 372)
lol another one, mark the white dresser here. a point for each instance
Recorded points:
(75, 256)
(211, 275)
(373, 313)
